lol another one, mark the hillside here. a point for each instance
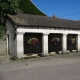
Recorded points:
(29, 8)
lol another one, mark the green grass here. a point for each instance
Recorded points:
(29, 8)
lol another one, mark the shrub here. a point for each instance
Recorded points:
(2, 32)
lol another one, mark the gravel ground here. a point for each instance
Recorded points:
(57, 67)
(5, 58)
(6, 64)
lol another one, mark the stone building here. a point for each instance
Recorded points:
(30, 34)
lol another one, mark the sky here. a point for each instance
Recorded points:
(67, 9)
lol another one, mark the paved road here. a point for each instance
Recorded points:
(45, 69)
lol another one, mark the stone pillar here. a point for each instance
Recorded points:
(20, 45)
(64, 43)
(78, 42)
(45, 44)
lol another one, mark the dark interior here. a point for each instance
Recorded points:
(29, 48)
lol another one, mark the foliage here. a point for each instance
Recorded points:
(29, 8)
(55, 40)
(2, 31)
(33, 41)
(11, 7)
(7, 7)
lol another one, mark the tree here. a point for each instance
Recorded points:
(7, 7)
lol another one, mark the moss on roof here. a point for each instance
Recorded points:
(29, 8)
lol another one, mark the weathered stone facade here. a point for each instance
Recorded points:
(11, 40)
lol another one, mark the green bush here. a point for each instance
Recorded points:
(2, 31)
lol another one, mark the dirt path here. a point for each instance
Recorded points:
(58, 67)
(6, 59)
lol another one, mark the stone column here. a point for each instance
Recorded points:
(20, 45)
(78, 42)
(64, 43)
(45, 44)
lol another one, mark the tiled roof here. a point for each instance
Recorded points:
(44, 21)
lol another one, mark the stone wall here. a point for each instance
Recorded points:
(3, 47)
(11, 38)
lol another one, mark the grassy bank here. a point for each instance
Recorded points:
(29, 8)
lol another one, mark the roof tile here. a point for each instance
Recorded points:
(43, 21)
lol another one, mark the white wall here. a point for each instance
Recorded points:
(46, 31)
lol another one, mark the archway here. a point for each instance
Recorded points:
(32, 43)
(54, 42)
(71, 42)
